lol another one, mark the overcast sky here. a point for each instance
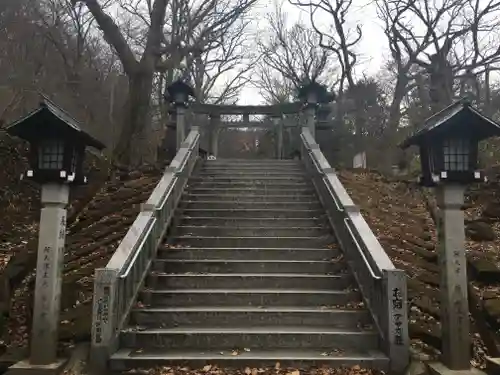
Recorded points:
(372, 49)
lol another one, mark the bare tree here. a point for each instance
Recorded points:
(338, 38)
(217, 33)
(458, 32)
(191, 28)
(273, 87)
(42, 49)
(290, 56)
(140, 74)
(433, 44)
(219, 73)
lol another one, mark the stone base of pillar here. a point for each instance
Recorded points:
(437, 368)
(26, 368)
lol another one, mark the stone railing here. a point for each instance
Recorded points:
(116, 286)
(382, 285)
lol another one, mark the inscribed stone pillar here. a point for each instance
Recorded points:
(214, 134)
(180, 124)
(50, 256)
(310, 120)
(278, 123)
(310, 113)
(453, 288)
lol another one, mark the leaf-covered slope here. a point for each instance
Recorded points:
(20, 207)
(399, 213)
(91, 240)
(19, 201)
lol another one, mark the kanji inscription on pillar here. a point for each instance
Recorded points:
(397, 316)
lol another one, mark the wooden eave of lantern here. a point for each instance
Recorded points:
(448, 144)
(57, 144)
(179, 93)
(314, 92)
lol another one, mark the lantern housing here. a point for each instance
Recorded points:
(314, 93)
(57, 144)
(448, 144)
(179, 93)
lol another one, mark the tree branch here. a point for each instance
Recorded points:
(113, 36)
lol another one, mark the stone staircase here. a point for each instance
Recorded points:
(250, 274)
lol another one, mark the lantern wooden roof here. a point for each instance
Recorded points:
(178, 86)
(458, 118)
(323, 96)
(49, 120)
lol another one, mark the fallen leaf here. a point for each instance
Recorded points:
(207, 368)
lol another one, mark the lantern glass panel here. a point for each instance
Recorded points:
(73, 160)
(456, 155)
(51, 154)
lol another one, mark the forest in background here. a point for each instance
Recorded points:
(108, 62)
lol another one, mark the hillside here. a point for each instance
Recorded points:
(98, 217)
(91, 240)
(399, 212)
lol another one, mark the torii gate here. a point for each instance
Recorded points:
(276, 116)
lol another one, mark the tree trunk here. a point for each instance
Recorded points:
(440, 82)
(487, 93)
(392, 152)
(135, 145)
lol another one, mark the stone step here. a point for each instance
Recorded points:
(246, 222)
(259, 231)
(253, 162)
(249, 241)
(126, 359)
(238, 316)
(237, 265)
(252, 180)
(253, 168)
(249, 204)
(249, 197)
(248, 297)
(242, 254)
(248, 184)
(248, 337)
(267, 213)
(245, 173)
(231, 161)
(250, 191)
(193, 280)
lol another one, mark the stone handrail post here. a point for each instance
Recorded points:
(117, 285)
